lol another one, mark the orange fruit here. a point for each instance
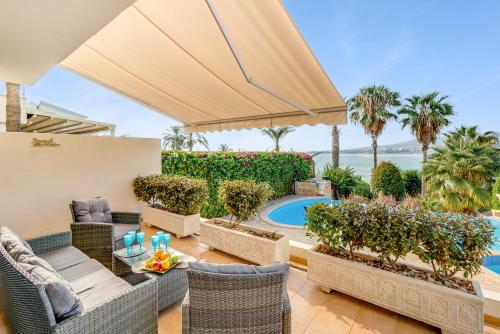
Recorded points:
(164, 256)
(158, 253)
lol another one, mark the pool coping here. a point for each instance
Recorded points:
(264, 215)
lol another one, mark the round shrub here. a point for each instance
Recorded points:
(183, 195)
(174, 193)
(412, 179)
(495, 201)
(242, 198)
(386, 178)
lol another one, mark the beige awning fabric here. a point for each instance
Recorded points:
(173, 57)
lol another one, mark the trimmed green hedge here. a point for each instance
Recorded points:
(278, 169)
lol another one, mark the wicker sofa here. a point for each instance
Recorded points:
(234, 299)
(99, 239)
(110, 304)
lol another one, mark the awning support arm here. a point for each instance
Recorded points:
(238, 59)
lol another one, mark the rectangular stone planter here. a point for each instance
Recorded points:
(180, 225)
(249, 247)
(450, 310)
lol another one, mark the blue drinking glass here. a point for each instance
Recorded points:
(160, 235)
(166, 240)
(155, 241)
(140, 239)
(133, 234)
(128, 240)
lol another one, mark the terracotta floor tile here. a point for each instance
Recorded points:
(407, 325)
(374, 320)
(298, 327)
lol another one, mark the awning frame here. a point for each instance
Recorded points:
(245, 73)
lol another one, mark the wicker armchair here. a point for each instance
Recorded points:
(232, 304)
(28, 310)
(99, 240)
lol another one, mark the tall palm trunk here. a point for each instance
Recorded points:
(335, 146)
(13, 108)
(374, 147)
(425, 149)
(277, 145)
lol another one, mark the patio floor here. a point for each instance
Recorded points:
(313, 312)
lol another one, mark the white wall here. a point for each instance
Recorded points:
(38, 183)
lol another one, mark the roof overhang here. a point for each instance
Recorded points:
(212, 65)
(43, 122)
(36, 35)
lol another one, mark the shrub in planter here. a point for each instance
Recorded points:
(242, 198)
(389, 232)
(452, 243)
(337, 227)
(413, 181)
(177, 194)
(183, 195)
(325, 222)
(148, 188)
(386, 178)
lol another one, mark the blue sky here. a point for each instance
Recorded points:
(412, 47)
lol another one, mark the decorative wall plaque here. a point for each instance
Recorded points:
(43, 143)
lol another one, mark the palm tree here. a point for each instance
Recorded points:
(13, 107)
(195, 138)
(370, 108)
(460, 173)
(335, 146)
(224, 148)
(277, 134)
(174, 138)
(426, 115)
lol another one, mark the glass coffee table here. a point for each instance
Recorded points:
(172, 285)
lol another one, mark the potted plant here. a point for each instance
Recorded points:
(174, 202)
(242, 199)
(435, 294)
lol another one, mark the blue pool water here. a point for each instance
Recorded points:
(293, 213)
(492, 262)
(496, 223)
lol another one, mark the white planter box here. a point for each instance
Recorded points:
(450, 310)
(179, 225)
(247, 246)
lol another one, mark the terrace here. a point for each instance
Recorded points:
(226, 72)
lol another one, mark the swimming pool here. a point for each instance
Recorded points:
(496, 224)
(293, 213)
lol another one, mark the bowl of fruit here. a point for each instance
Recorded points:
(161, 262)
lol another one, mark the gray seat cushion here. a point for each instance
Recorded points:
(64, 301)
(239, 269)
(95, 210)
(10, 239)
(86, 275)
(102, 291)
(64, 257)
(121, 230)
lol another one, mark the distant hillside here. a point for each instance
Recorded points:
(406, 147)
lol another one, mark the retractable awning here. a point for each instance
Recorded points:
(213, 65)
